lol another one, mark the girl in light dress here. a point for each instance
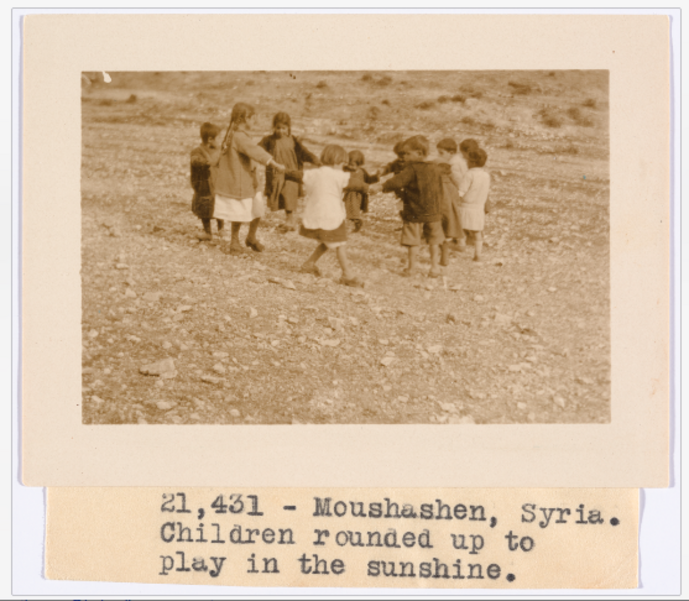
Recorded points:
(325, 216)
(474, 191)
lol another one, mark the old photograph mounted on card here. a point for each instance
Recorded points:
(346, 247)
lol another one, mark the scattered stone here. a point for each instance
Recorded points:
(402, 399)
(559, 401)
(130, 293)
(211, 379)
(334, 342)
(478, 298)
(96, 400)
(435, 349)
(121, 266)
(552, 289)
(336, 323)
(159, 367)
(165, 405)
(152, 296)
(514, 368)
(93, 334)
(219, 368)
(227, 318)
(133, 338)
(452, 318)
(184, 308)
(253, 313)
(448, 407)
(387, 388)
(167, 345)
(384, 341)
(387, 362)
(235, 413)
(293, 320)
(220, 354)
(531, 313)
(521, 406)
(584, 380)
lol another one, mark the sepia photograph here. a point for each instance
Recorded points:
(345, 247)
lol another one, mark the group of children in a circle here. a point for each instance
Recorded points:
(443, 201)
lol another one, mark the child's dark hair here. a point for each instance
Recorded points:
(208, 131)
(468, 145)
(417, 144)
(240, 113)
(356, 157)
(333, 154)
(448, 145)
(282, 119)
(399, 148)
(477, 157)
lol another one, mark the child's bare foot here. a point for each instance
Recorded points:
(204, 237)
(353, 282)
(310, 268)
(408, 272)
(358, 224)
(235, 248)
(255, 245)
(478, 259)
(434, 273)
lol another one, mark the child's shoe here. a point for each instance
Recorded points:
(312, 269)
(358, 224)
(204, 237)
(235, 248)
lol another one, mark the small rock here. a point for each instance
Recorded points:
(334, 342)
(451, 318)
(159, 367)
(584, 380)
(165, 405)
(152, 296)
(167, 345)
(211, 379)
(293, 320)
(96, 400)
(384, 341)
(502, 319)
(552, 289)
(235, 413)
(130, 293)
(387, 362)
(336, 323)
(184, 308)
(531, 313)
(253, 313)
(449, 407)
(387, 388)
(121, 266)
(467, 419)
(559, 401)
(435, 349)
(514, 368)
(478, 298)
(93, 333)
(521, 406)
(219, 367)
(220, 354)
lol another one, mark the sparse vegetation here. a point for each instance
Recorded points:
(458, 98)
(443, 99)
(132, 98)
(425, 105)
(590, 103)
(366, 77)
(468, 120)
(520, 89)
(321, 84)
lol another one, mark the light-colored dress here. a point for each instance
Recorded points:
(324, 209)
(474, 191)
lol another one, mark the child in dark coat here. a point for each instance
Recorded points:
(203, 201)
(421, 186)
(356, 202)
(282, 193)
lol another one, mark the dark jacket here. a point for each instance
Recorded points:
(422, 192)
(202, 204)
(274, 178)
(358, 185)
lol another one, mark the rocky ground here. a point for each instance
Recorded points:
(177, 331)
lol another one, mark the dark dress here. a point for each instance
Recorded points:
(356, 194)
(281, 193)
(203, 201)
(449, 207)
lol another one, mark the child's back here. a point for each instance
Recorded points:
(420, 186)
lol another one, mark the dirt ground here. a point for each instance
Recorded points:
(523, 337)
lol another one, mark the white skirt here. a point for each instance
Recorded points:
(239, 211)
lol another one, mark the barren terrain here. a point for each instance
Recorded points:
(522, 338)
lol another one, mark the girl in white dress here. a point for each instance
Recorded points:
(325, 216)
(474, 191)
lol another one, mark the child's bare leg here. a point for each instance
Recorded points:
(435, 253)
(445, 253)
(478, 245)
(251, 240)
(309, 265)
(235, 246)
(344, 262)
(412, 256)
(290, 219)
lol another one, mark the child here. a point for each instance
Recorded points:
(325, 216)
(459, 171)
(286, 149)
(356, 201)
(451, 221)
(202, 157)
(474, 193)
(421, 187)
(397, 166)
(234, 178)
